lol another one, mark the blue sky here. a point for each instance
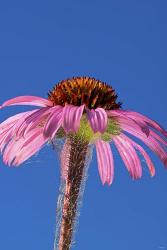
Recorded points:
(122, 43)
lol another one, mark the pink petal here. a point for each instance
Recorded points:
(120, 114)
(29, 149)
(15, 145)
(97, 119)
(150, 122)
(71, 117)
(35, 116)
(139, 118)
(54, 122)
(37, 119)
(31, 136)
(5, 139)
(136, 161)
(10, 151)
(158, 138)
(150, 142)
(19, 126)
(6, 128)
(132, 124)
(10, 127)
(126, 157)
(28, 100)
(10, 121)
(143, 152)
(105, 162)
(151, 133)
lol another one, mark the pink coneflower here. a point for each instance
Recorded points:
(81, 111)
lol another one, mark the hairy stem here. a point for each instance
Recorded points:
(73, 170)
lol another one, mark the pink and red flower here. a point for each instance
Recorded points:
(24, 134)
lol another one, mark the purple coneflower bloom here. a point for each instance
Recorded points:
(81, 110)
(23, 134)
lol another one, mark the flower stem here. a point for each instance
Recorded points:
(74, 180)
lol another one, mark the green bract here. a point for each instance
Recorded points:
(86, 133)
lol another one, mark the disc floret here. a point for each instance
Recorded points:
(84, 90)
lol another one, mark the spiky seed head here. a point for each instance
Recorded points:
(84, 90)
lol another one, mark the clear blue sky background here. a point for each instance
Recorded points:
(122, 43)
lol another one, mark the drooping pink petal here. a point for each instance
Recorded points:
(97, 119)
(105, 161)
(138, 117)
(121, 114)
(71, 117)
(20, 124)
(129, 122)
(37, 119)
(3, 134)
(126, 156)
(54, 122)
(11, 120)
(4, 140)
(10, 126)
(158, 138)
(28, 100)
(143, 127)
(31, 136)
(143, 119)
(6, 128)
(35, 116)
(29, 149)
(15, 145)
(150, 142)
(10, 150)
(137, 169)
(149, 121)
(143, 152)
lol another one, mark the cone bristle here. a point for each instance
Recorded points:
(84, 90)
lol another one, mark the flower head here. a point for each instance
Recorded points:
(87, 108)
